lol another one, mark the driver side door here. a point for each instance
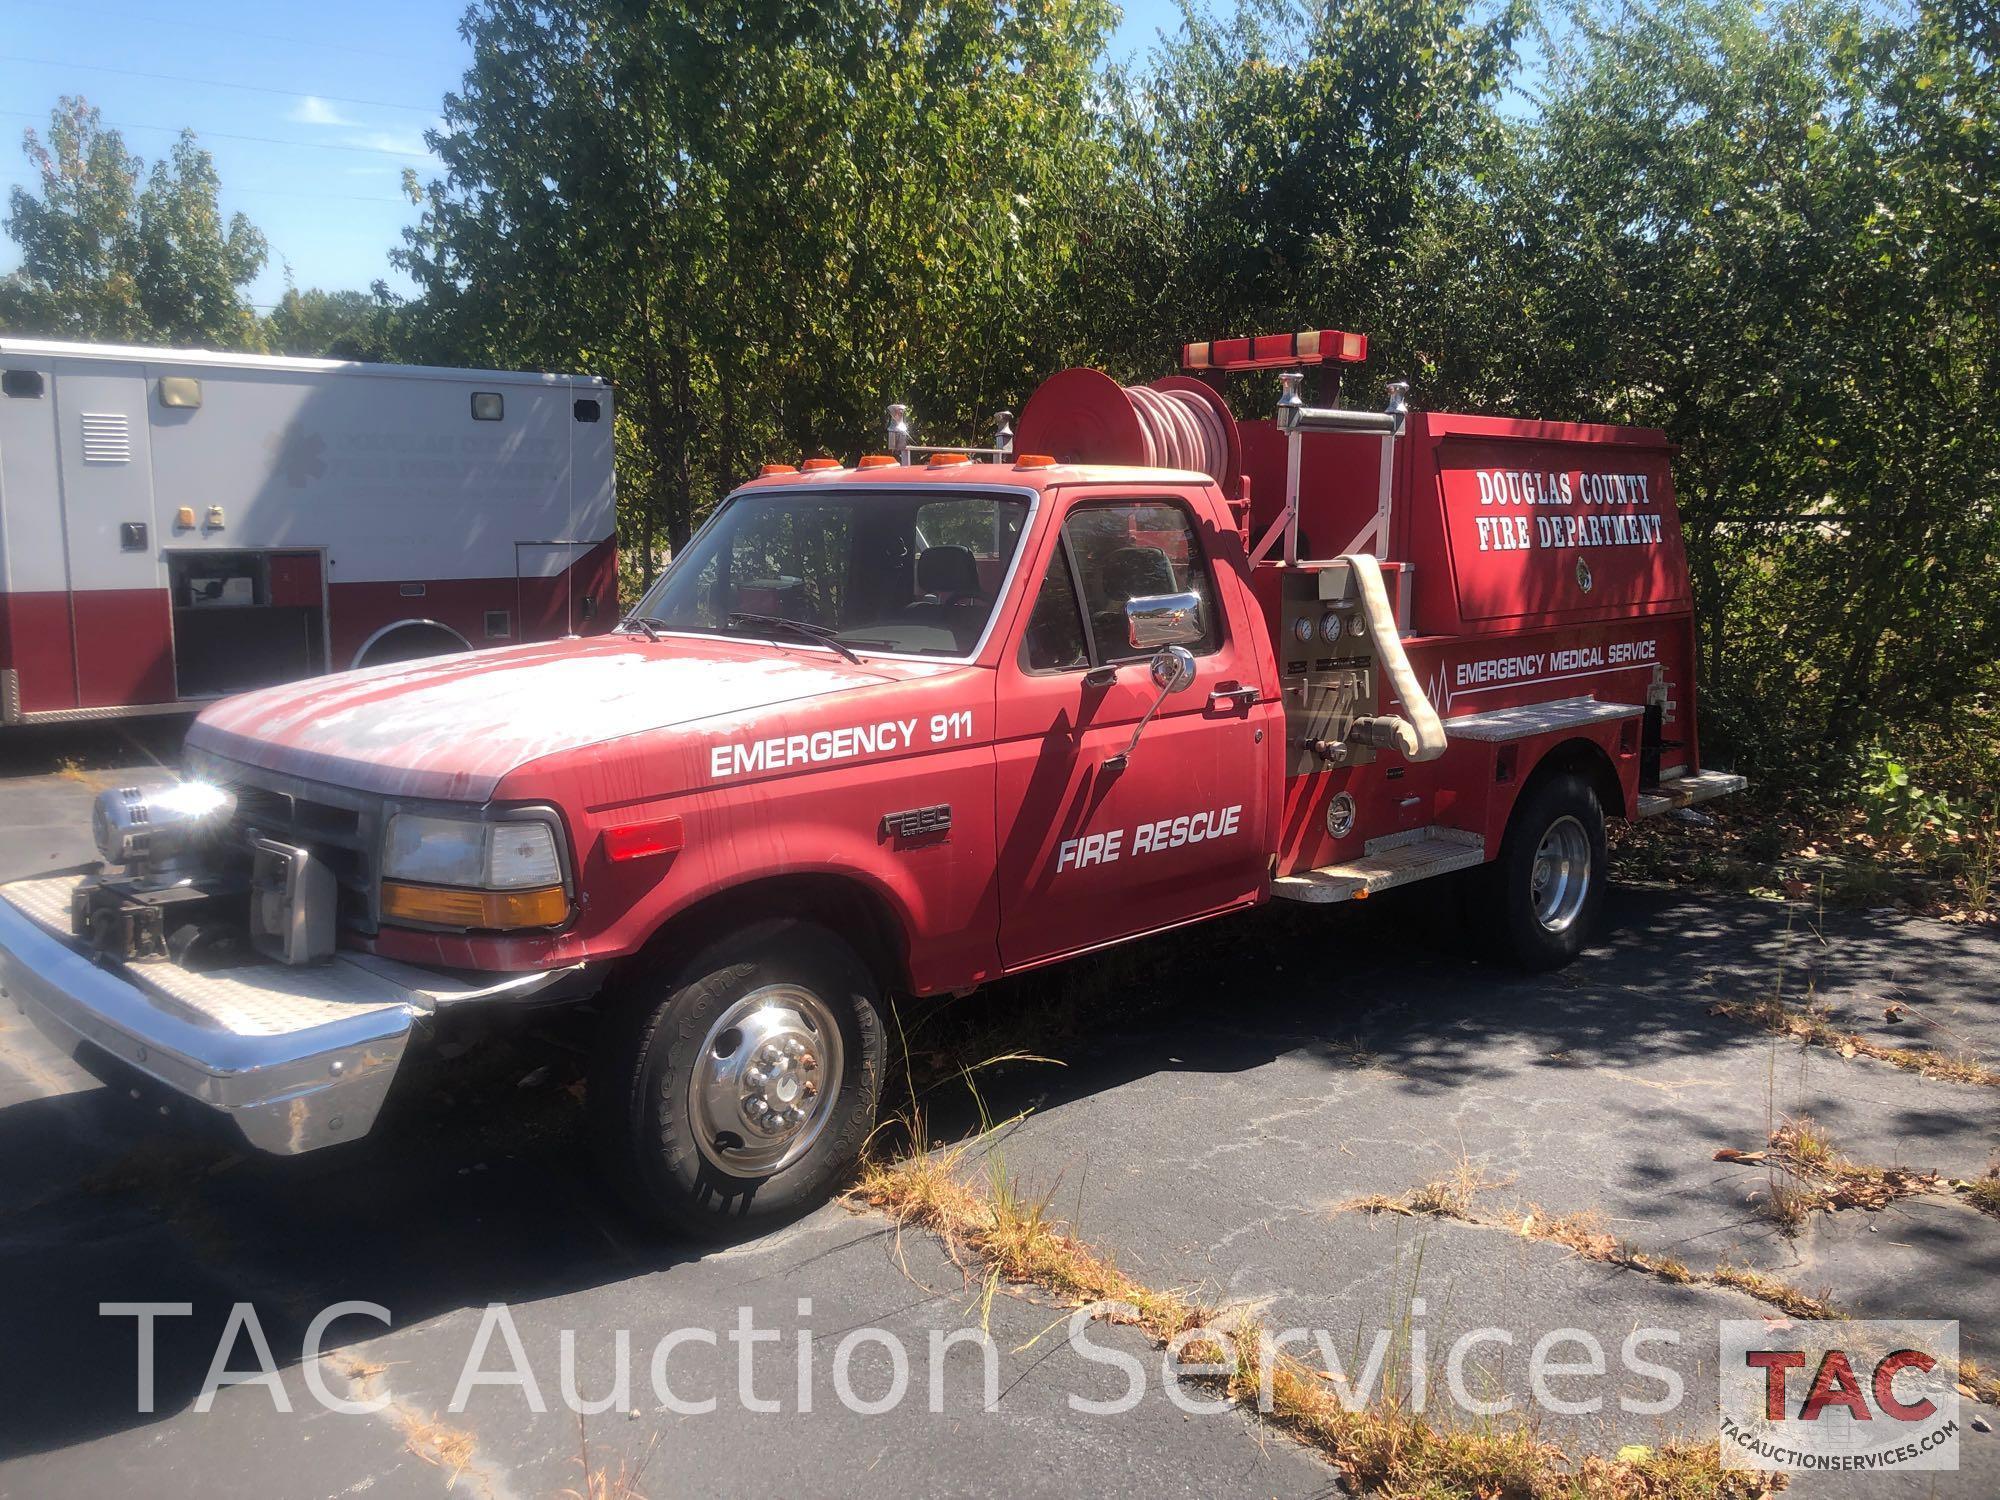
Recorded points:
(1089, 853)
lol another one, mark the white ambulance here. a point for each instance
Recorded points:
(178, 525)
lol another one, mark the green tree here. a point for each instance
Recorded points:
(1307, 165)
(101, 259)
(764, 221)
(1770, 231)
(194, 267)
(79, 272)
(353, 325)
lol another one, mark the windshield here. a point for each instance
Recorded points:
(914, 571)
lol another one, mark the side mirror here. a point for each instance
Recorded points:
(1163, 620)
(1173, 669)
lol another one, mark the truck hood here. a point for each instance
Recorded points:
(451, 727)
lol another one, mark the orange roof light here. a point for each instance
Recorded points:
(1034, 461)
(876, 461)
(1271, 351)
(946, 460)
(769, 469)
(816, 465)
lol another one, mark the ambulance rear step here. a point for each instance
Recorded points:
(1392, 860)
(1686, 791)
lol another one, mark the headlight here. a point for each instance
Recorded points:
(465, 872)
(458, 851)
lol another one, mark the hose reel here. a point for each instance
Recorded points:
(1084, 416)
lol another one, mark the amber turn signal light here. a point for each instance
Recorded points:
(815, 465)
(1035, 461)
(769, 469)
(442, 906)
(876, 461)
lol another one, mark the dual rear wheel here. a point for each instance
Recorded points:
(1541, 899)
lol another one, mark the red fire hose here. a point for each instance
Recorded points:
(1084, 416)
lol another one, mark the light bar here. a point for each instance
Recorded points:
(1270, 351)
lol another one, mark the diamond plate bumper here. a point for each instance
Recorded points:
(289, 1087)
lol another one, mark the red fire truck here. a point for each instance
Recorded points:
(177, 525)
(906, 725)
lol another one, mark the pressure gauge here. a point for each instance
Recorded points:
(1329, 629)
(1302, 630)
(1356, 625)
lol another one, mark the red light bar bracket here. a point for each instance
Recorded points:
(1270, 351)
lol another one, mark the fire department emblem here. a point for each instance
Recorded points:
(1583, 579)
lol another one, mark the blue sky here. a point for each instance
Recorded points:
(311, 112)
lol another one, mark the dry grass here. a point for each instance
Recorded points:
(1983, 1193)
(441, 1446)
(1813, 1026)
(1452, 1197)
(1584, 1234)
(1978, 1383)
(438, 1444)
(1782, 1295)
(1832, 1182)
(1380, 1446)
(1809, 1176)
(604, 1483)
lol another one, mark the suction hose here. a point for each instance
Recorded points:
(1419, 736)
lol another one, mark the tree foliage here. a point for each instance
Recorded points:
(765, 221)
(1769, 227)
(103, 259)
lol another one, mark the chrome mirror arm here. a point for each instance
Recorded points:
(1173, 669)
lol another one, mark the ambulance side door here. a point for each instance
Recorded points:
(1089, 852)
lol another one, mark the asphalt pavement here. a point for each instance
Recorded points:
(1224, 1097)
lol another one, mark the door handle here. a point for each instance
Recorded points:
(1240, 696)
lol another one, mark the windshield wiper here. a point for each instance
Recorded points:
(640, 623)
(819, 635)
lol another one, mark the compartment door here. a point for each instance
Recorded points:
(545, 575)
(118, 604)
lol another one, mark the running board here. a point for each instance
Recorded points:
(1392, 860)
(1686, 791)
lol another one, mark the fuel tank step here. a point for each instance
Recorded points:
(1686, 791)
(1392, 860)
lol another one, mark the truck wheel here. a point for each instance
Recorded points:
(737, 1093)
(1551, 874)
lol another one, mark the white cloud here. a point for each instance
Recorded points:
(312, 110)
(395, 142)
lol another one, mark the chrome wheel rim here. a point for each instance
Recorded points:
(766, 1080)
(1560, 881)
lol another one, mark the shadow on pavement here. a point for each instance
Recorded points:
(490, 1196)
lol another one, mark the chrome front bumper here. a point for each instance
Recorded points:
(299, 1058)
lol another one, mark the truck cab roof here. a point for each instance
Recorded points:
(1014, 475)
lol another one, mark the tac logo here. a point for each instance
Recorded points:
(1849, 1397)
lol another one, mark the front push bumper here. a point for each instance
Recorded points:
(297, 1057)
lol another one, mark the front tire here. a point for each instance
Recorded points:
(1550, 875)
(735, 1091)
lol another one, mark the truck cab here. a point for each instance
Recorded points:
(902, 726)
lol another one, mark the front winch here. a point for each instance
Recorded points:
(152, 833)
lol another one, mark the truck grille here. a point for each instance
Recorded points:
(341, 828)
